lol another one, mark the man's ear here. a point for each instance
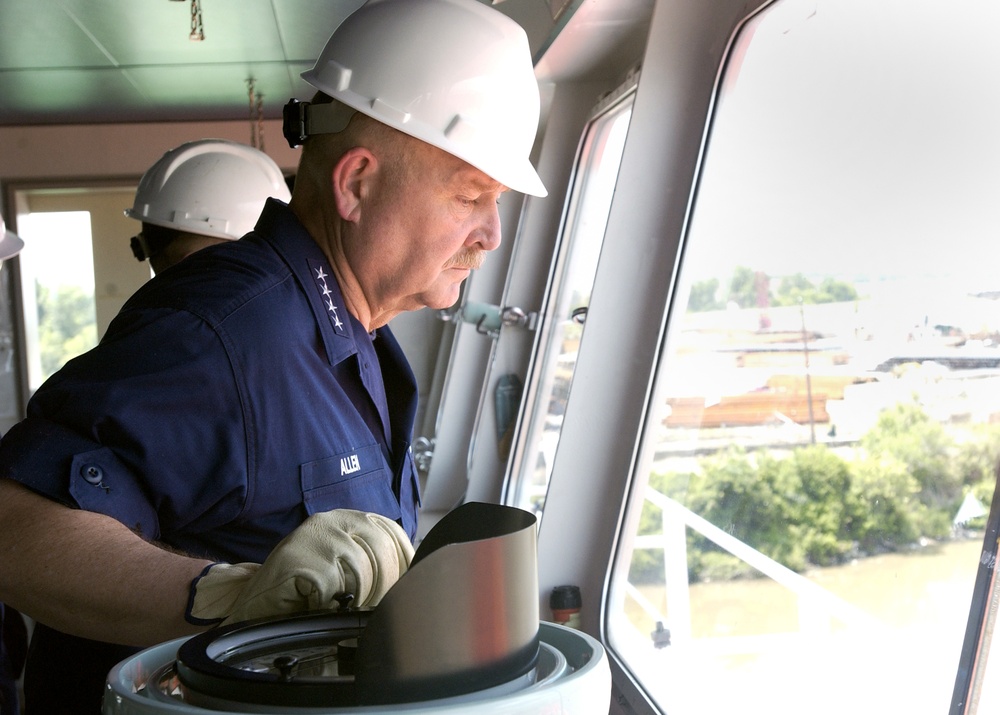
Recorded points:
(351, 175)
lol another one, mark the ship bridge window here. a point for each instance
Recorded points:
(57, 277)
(820, 453)
(75, 272)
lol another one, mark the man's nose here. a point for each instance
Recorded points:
(489, 237)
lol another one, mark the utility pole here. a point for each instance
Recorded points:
(809, 392)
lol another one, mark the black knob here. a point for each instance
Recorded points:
(344, 600)
(285, 664)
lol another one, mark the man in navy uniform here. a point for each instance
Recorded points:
(238, 444)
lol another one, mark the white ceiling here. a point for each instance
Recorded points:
(108, 61)
(96, 61)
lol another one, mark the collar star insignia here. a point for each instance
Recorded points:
(327, 293)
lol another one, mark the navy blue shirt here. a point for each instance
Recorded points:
(231, 397)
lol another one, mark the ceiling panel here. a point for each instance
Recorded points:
(304, 27)
(85, 61)
(200, 89)
(38, 33)
(158, 31)
(64, 96)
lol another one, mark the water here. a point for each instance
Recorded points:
(754, 649)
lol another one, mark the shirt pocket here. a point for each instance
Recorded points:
(358, 479)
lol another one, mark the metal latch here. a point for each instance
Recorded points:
(423, 454)
(488, 319)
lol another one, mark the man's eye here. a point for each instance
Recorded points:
(468, 202)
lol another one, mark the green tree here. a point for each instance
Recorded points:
(796, 288)
(815, 507)
(703, 296)
(836, 291)
(747, 496)
(743, 287)
(824, 512)
(978, 460)
(892, 511)
(904, 432)
(67, 325)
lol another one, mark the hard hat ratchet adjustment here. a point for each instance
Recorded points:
(301, 120)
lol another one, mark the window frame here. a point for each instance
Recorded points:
(617, 464)
(75, 190)
(526, 450)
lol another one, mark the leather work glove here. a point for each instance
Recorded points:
(329, 553)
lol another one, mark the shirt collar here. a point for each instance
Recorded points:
(280, 227)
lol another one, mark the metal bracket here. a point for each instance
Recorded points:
(488, 319)
(293, 122)
(423, 454)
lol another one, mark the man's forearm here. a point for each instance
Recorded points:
(87, 574)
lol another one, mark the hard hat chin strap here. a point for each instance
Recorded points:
(301, 120)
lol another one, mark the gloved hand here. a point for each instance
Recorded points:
(329, 553)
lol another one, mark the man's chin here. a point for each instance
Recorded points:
(442, 299)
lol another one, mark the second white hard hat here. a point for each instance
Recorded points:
(10, 243)
(213, 187)
(456, 74)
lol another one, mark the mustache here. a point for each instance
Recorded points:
(470, 258)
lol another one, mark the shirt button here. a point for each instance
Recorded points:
(92, 474)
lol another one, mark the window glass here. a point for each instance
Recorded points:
(806, 525)
(57, 283)
(565, 315)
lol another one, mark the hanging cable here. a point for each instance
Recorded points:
(253, 124)
(256, 101)
(260, 121)
(197, 27)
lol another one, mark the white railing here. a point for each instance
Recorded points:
(817, 607)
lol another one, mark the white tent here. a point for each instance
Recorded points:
(970, 509)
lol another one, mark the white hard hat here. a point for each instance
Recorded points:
(10, 243)
(214, 187)
(456, 74)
